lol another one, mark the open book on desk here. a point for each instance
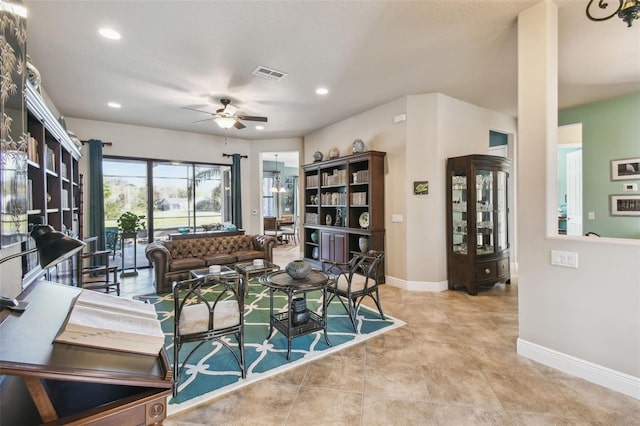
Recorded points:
(104, 321)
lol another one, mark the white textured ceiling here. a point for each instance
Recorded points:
(177, 54)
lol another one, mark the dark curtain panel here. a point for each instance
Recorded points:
(236, 192)
(96, 193)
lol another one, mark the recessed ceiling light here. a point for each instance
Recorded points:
(114, 105)
(259, 127)
(109, 33)
(322, 91)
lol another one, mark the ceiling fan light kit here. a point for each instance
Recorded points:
(627, 10)
(226, 117)
(225, 122)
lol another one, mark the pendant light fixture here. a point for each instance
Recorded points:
(627, 10)
(277, 186)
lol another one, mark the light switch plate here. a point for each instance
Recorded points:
(397, 218)
(567, 259)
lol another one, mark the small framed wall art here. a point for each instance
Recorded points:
(626, 168)
(421, 187)
(625, 205)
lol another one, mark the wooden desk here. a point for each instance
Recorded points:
(73, 384)
(209, 234)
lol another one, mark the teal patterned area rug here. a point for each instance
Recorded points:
(212, 371)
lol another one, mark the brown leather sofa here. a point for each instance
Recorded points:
(173, 260)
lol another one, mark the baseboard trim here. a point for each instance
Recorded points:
(416, 285)
(594, 373)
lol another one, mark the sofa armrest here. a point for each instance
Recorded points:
(159, 256)
(266, 244)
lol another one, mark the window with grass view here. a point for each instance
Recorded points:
(174, 197)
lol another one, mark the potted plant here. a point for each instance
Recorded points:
(130, 224)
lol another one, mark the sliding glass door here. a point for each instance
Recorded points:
(187, 196)
(125, 184)
(173, 197)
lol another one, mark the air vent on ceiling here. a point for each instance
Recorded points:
(268, 73)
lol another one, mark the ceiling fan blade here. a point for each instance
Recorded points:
(200, 121)
(197, 110)
(252, 118)
(239, 125)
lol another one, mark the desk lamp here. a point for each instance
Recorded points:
(52, 246)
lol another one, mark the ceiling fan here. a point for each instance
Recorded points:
(226, 117)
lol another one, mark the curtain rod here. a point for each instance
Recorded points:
(103, 143)
(231, 155)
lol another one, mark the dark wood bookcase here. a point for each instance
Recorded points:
(53, 177)
(339, 195)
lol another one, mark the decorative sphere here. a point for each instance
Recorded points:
(314, 236)
(334, 153)
(298, 269)
(317, 156)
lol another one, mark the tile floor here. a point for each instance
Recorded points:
(454, 363)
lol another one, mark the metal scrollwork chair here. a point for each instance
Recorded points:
(111, 240)
(355, 280)
(208, 309)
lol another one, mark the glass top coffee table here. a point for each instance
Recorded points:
(225, 272)
(248, 269)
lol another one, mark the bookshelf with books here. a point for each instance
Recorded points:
(53, 174)
(344, 207)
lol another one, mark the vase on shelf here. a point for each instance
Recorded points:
(298, 269)
(315, 253)
(328, 220)
(314, 237)
(363, 243)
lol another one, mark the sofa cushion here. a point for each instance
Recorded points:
(188, 263)
(249, 255)
(220, 259)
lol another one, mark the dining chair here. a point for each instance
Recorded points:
(270, 225)
(355, 280)
(290, 232)
(207, 309)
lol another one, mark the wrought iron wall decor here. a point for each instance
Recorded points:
(627, 10)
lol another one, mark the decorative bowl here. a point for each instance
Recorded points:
(298, 269)
(183, 231)
(208, 227)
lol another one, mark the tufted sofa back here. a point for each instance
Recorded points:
(199, 247)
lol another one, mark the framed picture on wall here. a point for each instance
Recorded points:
(626, 168)
(625, 205)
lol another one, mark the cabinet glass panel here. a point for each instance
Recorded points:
(459, 211)
(484, 212)
(501, 216)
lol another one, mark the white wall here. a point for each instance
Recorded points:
(437, 127)
(146, 142)
(585, 321)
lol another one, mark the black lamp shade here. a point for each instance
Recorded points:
(53, 246)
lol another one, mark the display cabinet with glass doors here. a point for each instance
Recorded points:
(477, 221)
